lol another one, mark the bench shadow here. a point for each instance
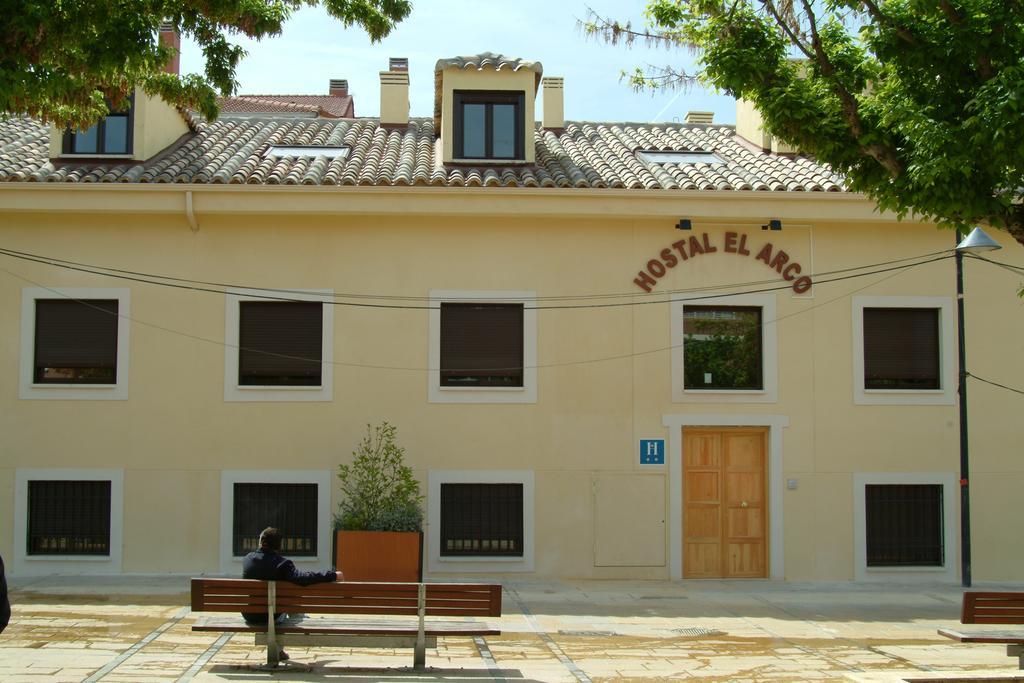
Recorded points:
(335, 671)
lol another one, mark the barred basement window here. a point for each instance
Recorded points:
(75, 341)
(68, 518)
(280, 343)
(289, 507)
(904, 525)
(901, 348)
(481, 520)
(481, 345)
(722, 348)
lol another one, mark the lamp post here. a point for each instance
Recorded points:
(977, 242)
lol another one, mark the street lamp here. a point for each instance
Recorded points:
(977, 242)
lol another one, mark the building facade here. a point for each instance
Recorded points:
(612, 350)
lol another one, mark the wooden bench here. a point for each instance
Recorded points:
(388, 601)
(992, 608)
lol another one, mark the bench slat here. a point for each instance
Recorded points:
(998, 637)
(992, 608)
(350, 627)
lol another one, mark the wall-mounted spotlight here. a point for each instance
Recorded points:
(684, 224)
(773, 224)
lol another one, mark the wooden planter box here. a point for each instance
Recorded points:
(379, 555)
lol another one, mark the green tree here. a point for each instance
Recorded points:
(919, 104)
(67, 61)
(378, 490)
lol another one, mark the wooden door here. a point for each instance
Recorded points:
(725, 517)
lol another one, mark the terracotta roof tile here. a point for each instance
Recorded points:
(582, 155)
(326, 106)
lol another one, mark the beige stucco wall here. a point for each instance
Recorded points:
(157, 126)
(454, 79)
(175, 433)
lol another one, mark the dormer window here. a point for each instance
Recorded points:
(488, 124)
(110, 135)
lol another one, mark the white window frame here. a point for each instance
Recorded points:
(231, 563)
(233, 391)
(28, 389)
(39, 565)
(437, 563)
(950, 506)
(769, 351)
(524, 394)
(946, 395)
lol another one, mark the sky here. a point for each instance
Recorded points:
(314, 48)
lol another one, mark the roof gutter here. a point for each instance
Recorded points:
(307, 200)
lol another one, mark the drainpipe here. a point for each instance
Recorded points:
(190, 213)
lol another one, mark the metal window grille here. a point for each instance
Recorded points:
(289, 507)
(481, 345)
(76, 341)
(901, 348)
(481, 519)
(904, 525)
(280, 343)
(68, 518)
(722, 347)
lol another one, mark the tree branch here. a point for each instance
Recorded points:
(793, 37)
(882, 18)
(613, 31)
(883, 154)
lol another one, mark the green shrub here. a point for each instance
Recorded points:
(379, 491)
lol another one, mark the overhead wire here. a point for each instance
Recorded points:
(995, 384)
(893, 271)
(267, 293)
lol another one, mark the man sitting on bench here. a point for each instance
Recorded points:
(267, 564)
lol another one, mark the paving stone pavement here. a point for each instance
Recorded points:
(138, 630)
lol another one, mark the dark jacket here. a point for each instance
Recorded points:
(5, 604)
(270, 566)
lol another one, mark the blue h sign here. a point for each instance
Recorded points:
(652, 451)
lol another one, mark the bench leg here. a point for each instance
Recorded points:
(1018, 652)
(419, 656)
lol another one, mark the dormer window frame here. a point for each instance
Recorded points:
(489, 98)
(68, 147)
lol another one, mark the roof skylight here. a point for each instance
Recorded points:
(682, 157)
(331, 152)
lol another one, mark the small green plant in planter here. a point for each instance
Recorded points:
(379, 496)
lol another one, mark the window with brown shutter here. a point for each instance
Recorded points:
(481, 519)
(76, 341)
(68, 518)
(901, 348)
(280, 343)
(481, 345)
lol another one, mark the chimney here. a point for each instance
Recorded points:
(750, 126)
(394, 93)
(169, 38)
(554, 102)
(700, 117)
(338, 87)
